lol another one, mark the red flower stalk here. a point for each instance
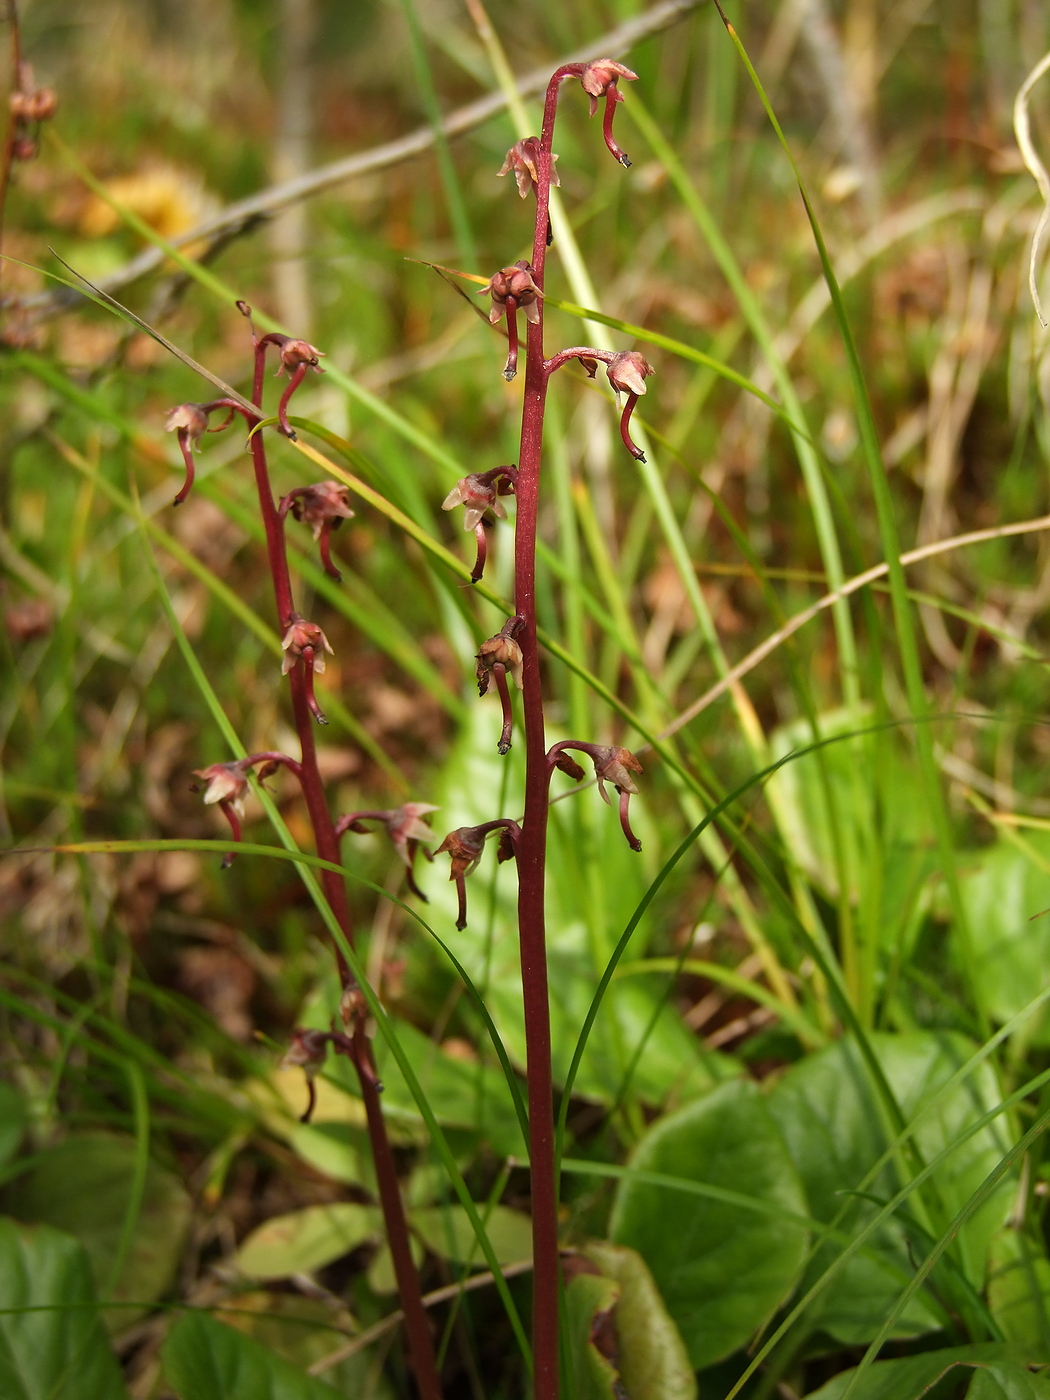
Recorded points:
(323, 506)
(627, 371)
(404, 827)
(465, 846)
(479, 492)
(190, 421)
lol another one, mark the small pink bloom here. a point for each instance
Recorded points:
(404, 825)
(189, 420)
(522, 159)
(296, 353)
(300, 636)
(611, 765)
(227, 783)
(326, 502)
(513, 282)
(477, 496)
(601, 75)
(628, 372)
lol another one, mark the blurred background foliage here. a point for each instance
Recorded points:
(146, 997)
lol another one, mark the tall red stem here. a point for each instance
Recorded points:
(532, 845)
(417, 1327)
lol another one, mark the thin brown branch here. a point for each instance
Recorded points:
(238, 216)
(853, 585)
(394, 1319)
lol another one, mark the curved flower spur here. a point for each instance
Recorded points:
(479, 493)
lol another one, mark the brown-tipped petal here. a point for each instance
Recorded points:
(505, 738)
(325, 550)
(187, 457)
(282, 407)
(612, 96)
(625, 429)
(532, 312)
(483, 549)
(632, 840)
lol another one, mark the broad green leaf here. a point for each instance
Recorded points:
(381, 1276)
(304, 1331)
(1003, 889)
(1019, 1293)
(999, 1376)
(12, 1122)
(590, 1301)
(830, 1119)
(446, 1231)
(719, 1268)
(205, 1360)
(82, 1187)
(653, 1362)
(57, 1349)
(305, 1240)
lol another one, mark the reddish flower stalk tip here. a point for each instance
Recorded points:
(230, 813)
(625, 429)
(483, 548)
(297, 378)
(464, 847)
(190, 421)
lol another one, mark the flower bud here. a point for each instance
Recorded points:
(299, 353)
(513, 282)
(498, 651)
(300, 637)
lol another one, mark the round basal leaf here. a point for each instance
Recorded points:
(205, 1360)
(720, 1268)
(12, 1122)
(590, 1302)
(1002, 890)
(998, 1375)
(83, 1187)
(305, 1240)
(1019, 1293)
(58, 1351)
(835, 1130)
(653, 1362)
(446, 1231)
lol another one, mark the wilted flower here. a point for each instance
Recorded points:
(612, 764)
(299, 354)
(300, 637)
(307, 1051)
(323, 506)
(405, 828)
(522, 158)
(497, 656)
(480, 492)
(498, 651)
(465, 845)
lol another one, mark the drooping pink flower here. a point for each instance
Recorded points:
(514, 282)
(300, 637)
(628, 372)
(227, 783)
(478, 496)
